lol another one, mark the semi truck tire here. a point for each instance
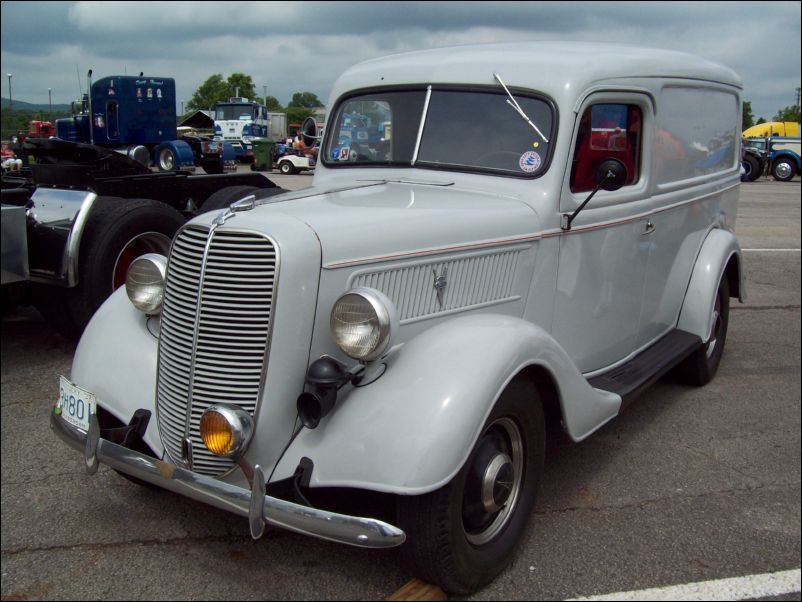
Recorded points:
(225, 196)
(783, 169)
(117, 232)
(752, 168)
(166, 160)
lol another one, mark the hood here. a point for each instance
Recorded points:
(384, 221)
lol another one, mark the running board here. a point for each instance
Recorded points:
(631, 379)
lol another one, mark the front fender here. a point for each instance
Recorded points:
(411, 430)
(720, 246)
(116, 360)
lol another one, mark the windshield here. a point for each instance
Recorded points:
(465, 130)
(235, 112)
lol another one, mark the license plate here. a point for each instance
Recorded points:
(76, 404)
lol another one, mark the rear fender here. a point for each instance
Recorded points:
(185, 158)
(411, 430)
(720, 252)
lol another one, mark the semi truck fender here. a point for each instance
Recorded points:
(714, 258)
(116, 361)
(410, 431)
(184, 157)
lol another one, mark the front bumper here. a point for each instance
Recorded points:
(260, 509)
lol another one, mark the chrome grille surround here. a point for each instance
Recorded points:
(215, 334)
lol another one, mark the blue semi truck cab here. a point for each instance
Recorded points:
(137, 116)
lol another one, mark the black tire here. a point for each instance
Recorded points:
(700, 367)
(783, 169)
(752, 169)
(167, 160)
(286, 168)
(225, 196)
(212, 166)
(453, 539)
(117, 232)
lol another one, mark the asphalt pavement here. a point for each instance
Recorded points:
(688, 485)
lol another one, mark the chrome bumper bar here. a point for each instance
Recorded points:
(353, 530)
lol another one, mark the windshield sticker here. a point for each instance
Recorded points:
(529, 162)
(340, 154)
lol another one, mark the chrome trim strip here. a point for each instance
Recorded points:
(331, 526)
(433, 251)
(196, 331)
(422, 124)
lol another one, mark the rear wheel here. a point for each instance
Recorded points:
(167, 161)
(286, 168)
(463, 534)
(783, 169)
(700, 367)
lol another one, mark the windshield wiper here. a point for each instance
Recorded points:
(514, 104)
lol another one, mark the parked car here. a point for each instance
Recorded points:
(536, 234)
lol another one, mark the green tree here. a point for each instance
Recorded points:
(297, 114)
(305, 100)
(208, 94)
(273, 104)
(748, 116)
(788, 114)
(239, 84)
(216, 89)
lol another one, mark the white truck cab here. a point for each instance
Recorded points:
(497, 236)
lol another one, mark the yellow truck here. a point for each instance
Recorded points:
(772, 128)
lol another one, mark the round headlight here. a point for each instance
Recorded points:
(144, 282)
(226, 429)
(362, 322)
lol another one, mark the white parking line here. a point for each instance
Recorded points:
(772, 250)
(737, 588)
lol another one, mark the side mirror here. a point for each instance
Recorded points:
(611, 174)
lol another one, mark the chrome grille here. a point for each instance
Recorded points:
(226, 319)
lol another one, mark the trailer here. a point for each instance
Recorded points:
(78, 217)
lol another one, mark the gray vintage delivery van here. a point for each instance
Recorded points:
(497, 236)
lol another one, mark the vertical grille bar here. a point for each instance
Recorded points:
(214, 333)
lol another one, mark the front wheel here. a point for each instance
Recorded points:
(463, 534)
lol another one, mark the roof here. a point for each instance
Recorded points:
(555, 68)
(199, 120)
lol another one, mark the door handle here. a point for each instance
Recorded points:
(650, 227)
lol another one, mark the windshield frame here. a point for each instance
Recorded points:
(426, 88)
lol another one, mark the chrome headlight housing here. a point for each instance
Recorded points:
(144, 282)
(362, 323)
(226, 430)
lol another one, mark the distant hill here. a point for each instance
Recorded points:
(22, 105)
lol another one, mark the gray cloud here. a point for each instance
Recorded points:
(303, 46)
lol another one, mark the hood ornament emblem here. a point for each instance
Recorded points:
(440, 284)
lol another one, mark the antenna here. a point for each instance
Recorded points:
(78, 75)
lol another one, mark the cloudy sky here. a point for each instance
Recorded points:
(303, 46)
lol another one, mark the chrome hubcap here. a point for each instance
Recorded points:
(716, 321)
(494, 483)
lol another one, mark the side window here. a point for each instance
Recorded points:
(606, 131)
